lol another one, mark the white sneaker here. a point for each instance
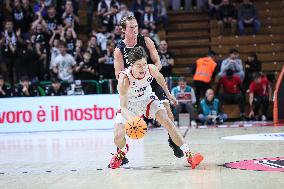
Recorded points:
(263, 118)
(193, 123)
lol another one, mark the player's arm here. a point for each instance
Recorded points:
(161, 81)
(118, 62)
(153, 53)
(123, 86)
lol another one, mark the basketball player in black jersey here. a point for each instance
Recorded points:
(133, 39)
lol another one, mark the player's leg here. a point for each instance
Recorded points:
(162, 97)
(119, 158)
(169, 111)
(156, 110)
(177, 151)
(119, 135)
(163, 119)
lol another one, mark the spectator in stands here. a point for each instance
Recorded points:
(40, 8)
(55, 89)
(107, 62)
(10, 42)
(210, 109)
(145, 32)
(41, 64)
(20, 17)
(69, 36)
(232, 91)
(252, 65)
(260, 93)
(95, 51)
(64, 64)
(70, 19)
(5, 90)
(227, 15)
(123, 12)
(25, 89)
(234, 63)
(40, 34)
(78, 54)
(149, 19)
(52, 21)
(162, 16)
(104, 6)
(213, 7)
(155, 38)
(138, 8)
(204, 72)
(167, 59)
(75, 5)
(27, 60)
(102, 37)
(85, 70)
(117, 34)
(248, 17)
(54, 52)
(186, 99)
(27, 6)
(110, 18)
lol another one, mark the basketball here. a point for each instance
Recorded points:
(135, 128)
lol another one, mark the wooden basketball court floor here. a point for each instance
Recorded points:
(79, 159)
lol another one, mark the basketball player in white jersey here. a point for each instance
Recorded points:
(133, 39)
(137, 99)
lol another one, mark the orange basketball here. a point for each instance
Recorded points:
(135, 128)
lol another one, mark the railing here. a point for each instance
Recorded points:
(104, 86)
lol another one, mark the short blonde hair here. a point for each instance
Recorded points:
(125, 19)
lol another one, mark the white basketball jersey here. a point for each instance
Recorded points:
(139, 88)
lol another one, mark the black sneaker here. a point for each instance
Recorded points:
(177, 151)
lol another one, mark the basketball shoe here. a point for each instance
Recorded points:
(193, 159)
(119, 158)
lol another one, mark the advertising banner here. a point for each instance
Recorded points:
(57, 113)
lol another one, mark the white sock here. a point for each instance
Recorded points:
(185, 148)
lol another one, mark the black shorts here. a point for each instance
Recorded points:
(158, 90)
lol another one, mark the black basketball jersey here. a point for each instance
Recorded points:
(125, 50)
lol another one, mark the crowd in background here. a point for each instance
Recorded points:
(39, 42)
(39, 39)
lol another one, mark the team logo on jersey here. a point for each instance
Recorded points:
(264, 164)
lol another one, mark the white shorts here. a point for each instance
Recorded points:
(147, 108)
